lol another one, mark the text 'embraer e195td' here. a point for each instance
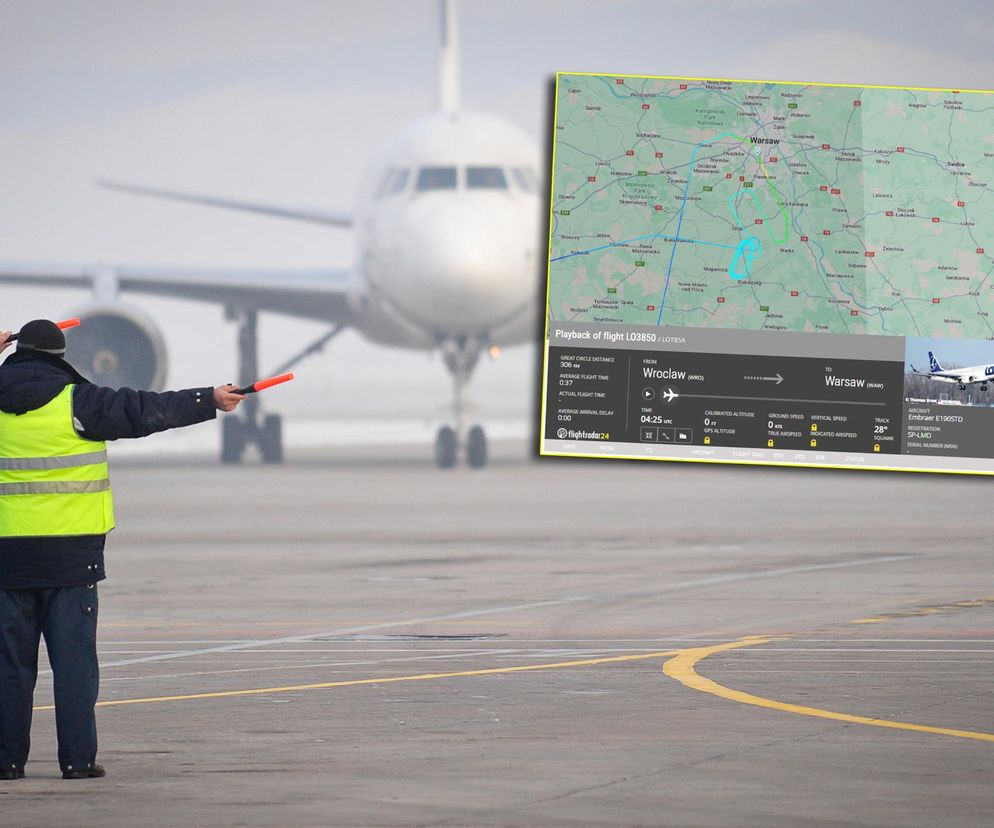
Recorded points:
(447, 240)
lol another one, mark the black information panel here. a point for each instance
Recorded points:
(692, 399)
(766, 398)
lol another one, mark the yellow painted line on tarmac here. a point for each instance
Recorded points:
(682, 668)
(918, 612)
(680, 665)
(492, 671)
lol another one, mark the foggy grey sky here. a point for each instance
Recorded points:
(949, 352)
(288, 101)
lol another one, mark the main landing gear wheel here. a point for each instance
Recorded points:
(232, 440)
(476, 448)
(238, 434)
(248, 426)
(446, 447)
(271, 442)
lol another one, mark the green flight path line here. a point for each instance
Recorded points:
(776, 193)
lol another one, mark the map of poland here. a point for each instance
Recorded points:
(774, 206)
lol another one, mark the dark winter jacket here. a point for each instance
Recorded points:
(29, 380)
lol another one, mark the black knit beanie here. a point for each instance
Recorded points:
(42, 335)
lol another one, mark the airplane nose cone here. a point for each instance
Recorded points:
(468, 263)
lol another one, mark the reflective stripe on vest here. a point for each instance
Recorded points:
(52, 481)
(56, 487)
(22, 463)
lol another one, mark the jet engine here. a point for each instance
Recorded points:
(118, 346)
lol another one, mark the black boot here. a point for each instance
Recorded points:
(92, 772)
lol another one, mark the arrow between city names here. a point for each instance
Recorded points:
(777, 379)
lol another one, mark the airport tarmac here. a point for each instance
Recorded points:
(357, 638)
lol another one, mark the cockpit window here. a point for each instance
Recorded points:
(436, 178)
(385, 183)
(525, 179)
(399, 181)
(485, 178)
(393, 182)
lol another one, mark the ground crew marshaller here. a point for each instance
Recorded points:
(56, 509)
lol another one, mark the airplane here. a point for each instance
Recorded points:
(448, 239)
(963, 376)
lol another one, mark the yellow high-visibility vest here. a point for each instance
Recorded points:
(52, 481)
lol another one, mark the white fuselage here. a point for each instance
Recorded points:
(965, 376)
(448, 234)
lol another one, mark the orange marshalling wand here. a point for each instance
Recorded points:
(263, 384)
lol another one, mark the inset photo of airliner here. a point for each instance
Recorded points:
(950, 371)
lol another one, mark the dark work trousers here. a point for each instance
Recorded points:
(67, 617)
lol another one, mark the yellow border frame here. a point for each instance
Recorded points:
(548, 283)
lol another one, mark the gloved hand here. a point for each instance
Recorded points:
(225, 398)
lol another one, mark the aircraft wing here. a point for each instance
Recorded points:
(335, 218)
(312, 294)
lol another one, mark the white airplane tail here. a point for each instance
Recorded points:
(448, 88)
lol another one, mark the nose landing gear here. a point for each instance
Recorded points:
(448, 443)
(460, 355)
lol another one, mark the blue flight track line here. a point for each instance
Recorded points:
(639, 238)
(679, 224)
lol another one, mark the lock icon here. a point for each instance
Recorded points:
(814, 426)
(707, 441)
(769, 443)
(813, 442)
(876, 446)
